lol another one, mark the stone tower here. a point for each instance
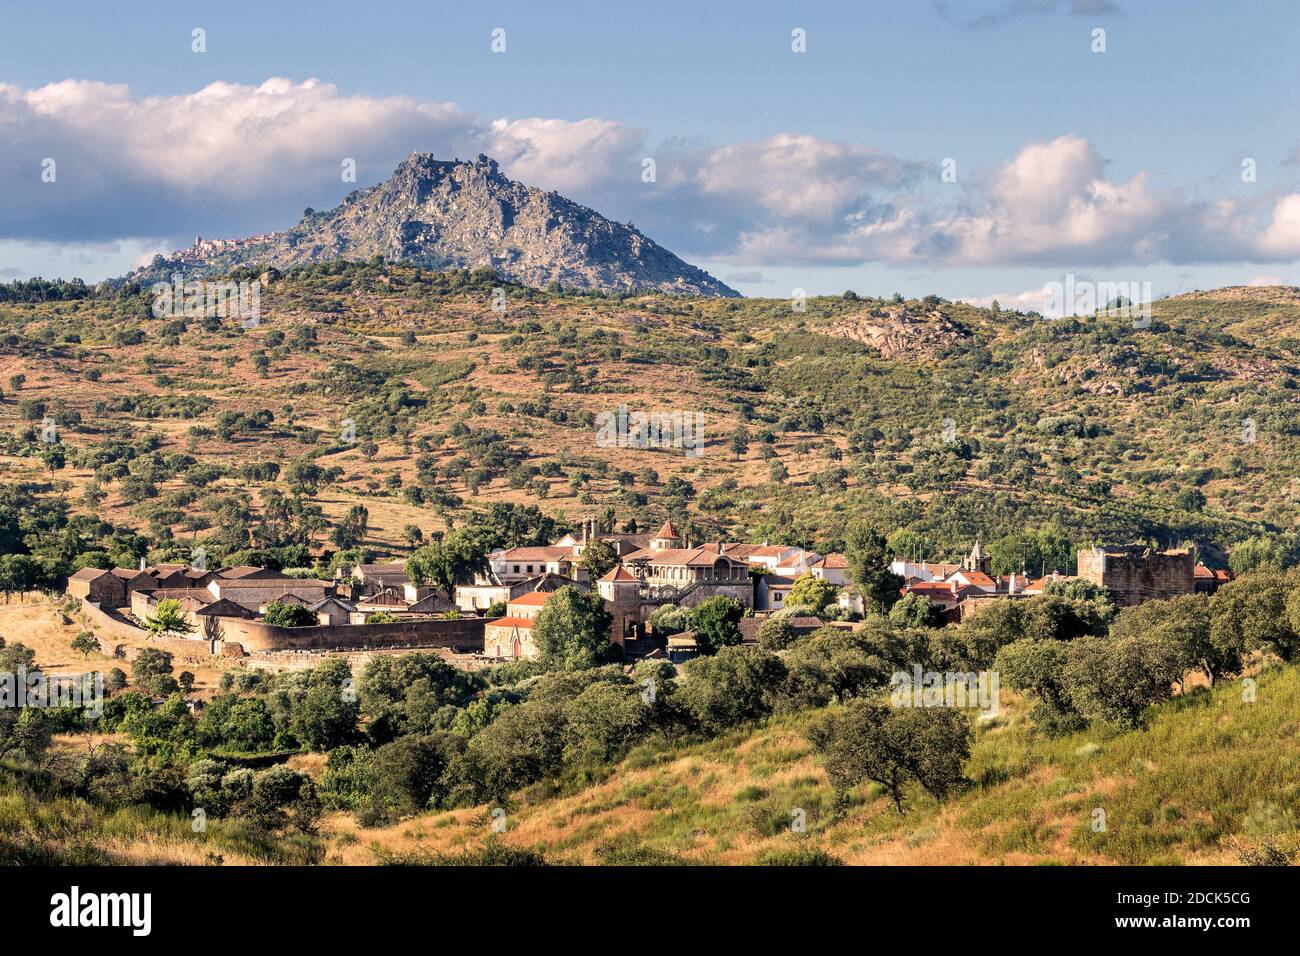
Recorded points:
(619, 590)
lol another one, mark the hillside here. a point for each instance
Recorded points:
(1208, 780)
(461, 215)
(944, 419)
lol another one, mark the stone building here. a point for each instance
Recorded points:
(1135, 573)
(95, 584)
(511, 637)
(619, 589)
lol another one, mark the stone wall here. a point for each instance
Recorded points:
(280, 661)
(254, 636)
(1136, 574)
(240, 636)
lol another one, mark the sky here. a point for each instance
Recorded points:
(975, 150)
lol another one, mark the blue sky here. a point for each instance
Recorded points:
(819, 170)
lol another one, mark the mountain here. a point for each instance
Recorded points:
(461, 215)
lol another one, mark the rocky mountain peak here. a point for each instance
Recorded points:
(445, 214)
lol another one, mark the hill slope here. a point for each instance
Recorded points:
(944, 419)
(451, 215)
(1211, 779)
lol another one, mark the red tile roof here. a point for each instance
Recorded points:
(619, 573)
(545, 553)
(537, 598)
(1205, 574)
(668, 531)
(522, 623)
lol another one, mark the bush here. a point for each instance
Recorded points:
(775, 634)
(716, 622)
(735, 685)
(288, 615)
(868, 740)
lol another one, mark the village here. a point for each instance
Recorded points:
(276, 620)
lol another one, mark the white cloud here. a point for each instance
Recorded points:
(564, 155)
(232, 159)
(800, 177)
(1281, 237)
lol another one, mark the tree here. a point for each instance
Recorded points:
(906, 543)
(325, 717)
(833, 664)
(868, 559)
(716, 622)
(151, 662)
(279, 614)
(239, 723)
(775, 634)
(84, 643)
(572, 630)
(915, 610)
(1037, 667)
(454, 560)
(1255, 554)
(281, 798)
(167, 619)
(604, 720)
(599, 558)
(669, 619)
(1186, 621)
(868, 740)
(1253, 609)
(186, 680)
(304, 477)
(1117, 680)
(115, 680)
(19, 573)
(410, 774)
(813, 592)
(151, 671)
(735, 685)
(739, 442)
(16, 656)
(521, 746)
(351, 530)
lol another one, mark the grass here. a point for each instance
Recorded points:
(39, 829)
(1211, 780)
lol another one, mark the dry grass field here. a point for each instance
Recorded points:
(1196, 787)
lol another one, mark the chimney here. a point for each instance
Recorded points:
(1011, 586)
(142, 564)
(722, 547)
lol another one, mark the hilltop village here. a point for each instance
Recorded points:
(273, 617)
